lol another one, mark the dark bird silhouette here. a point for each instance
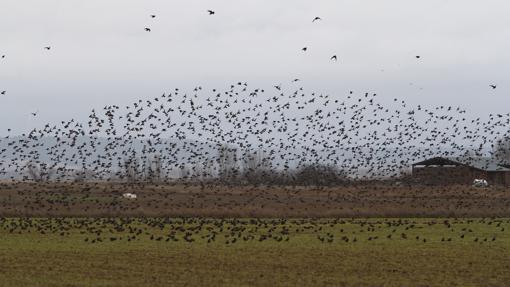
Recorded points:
(211, 12)
(333, 58)
(153, 16)
(3, 92)
(273, 132)
(304, 49)
(47, 47)
(493, 86)
(147, 29)
(316, 19)
(417, 57)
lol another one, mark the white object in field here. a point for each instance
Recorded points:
(129, 195)
(480, 183)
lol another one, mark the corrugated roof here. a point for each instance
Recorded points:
(482, 163)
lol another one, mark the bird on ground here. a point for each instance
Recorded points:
(296, 132)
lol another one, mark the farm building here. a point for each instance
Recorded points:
(455, 170)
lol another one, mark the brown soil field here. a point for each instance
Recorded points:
(23, 199)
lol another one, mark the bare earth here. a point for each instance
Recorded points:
(362, 200)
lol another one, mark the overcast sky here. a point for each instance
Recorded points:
(100, 53)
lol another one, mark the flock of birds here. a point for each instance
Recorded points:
(232, 231)
(241, 131)
(366, 199)
(248, 154)
(211, 12)
(244, 131)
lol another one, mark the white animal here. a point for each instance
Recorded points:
(480, 183)
(129, 195)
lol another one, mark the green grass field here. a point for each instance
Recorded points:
(254, 252)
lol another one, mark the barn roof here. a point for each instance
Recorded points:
(482, 163)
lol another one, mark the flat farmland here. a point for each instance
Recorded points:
(87, 234)
(362, 200)
(254, 252)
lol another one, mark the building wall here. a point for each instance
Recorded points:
(458, 175)
(448, 174)
(496, 178)
(500, 177)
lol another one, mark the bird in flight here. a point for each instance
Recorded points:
(3, 92)
(493, 86)
(147, 29)
(47, 47)
(295, 80)
(316, 19)
(278, 87)
(417, 57)
(34, 114)
(334, 58)
(3, 56)
(153, 16)
(211, 12)
(304, 49)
